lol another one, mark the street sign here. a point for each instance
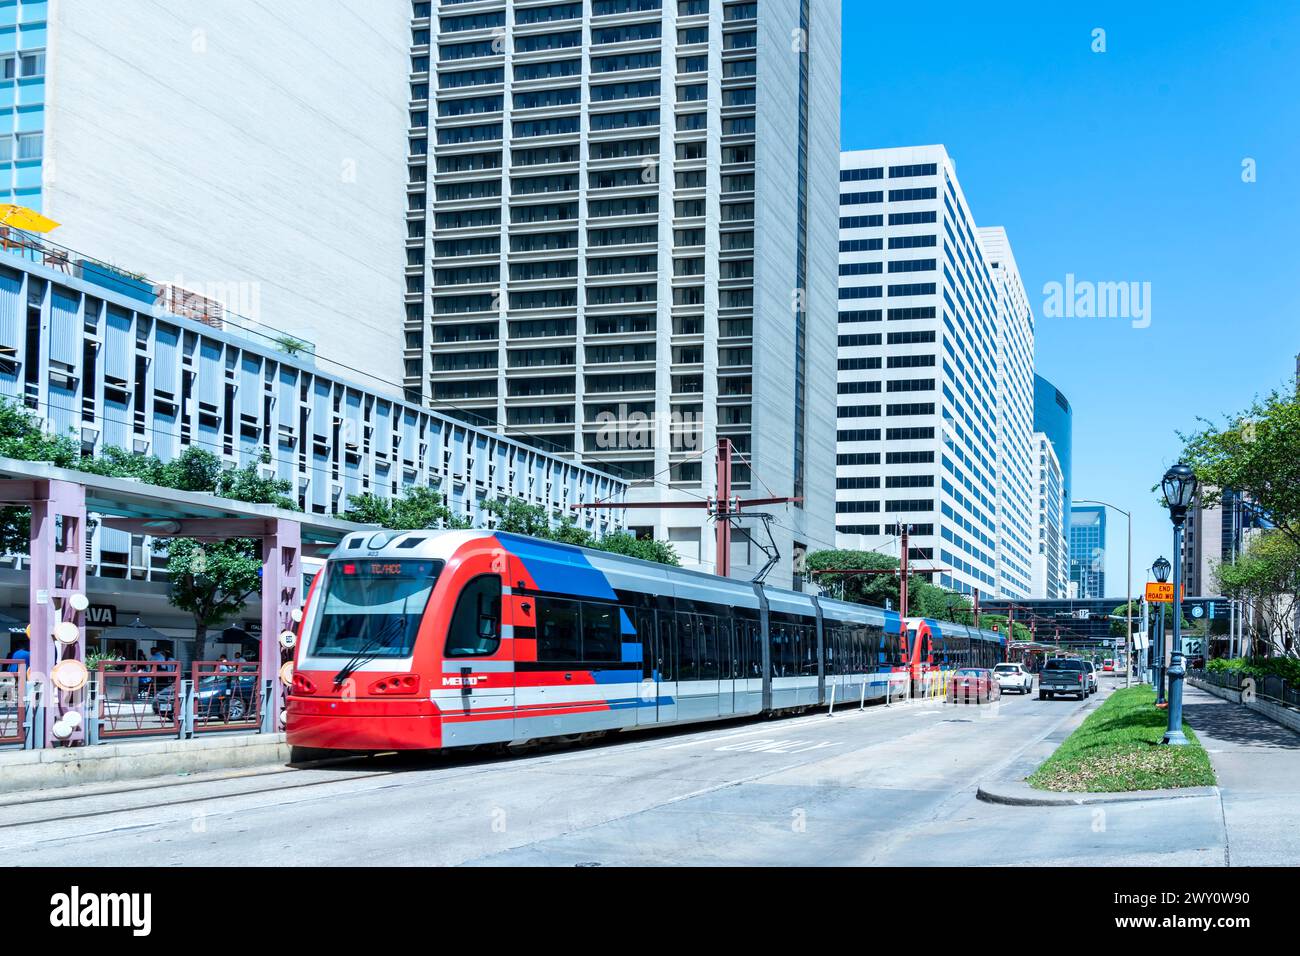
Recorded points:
(1158, 593)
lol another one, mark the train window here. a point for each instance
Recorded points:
(667, 648)
(557, 630)
(600, 633)
(476, 623)
(372, 607)
(687, 656)
(709, 655)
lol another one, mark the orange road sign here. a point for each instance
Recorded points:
(1158, 593)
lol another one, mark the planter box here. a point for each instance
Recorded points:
(119, 282)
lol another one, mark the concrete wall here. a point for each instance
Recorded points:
(254, 151)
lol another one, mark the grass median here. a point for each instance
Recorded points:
(1118, 748)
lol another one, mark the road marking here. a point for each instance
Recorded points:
(772, 745)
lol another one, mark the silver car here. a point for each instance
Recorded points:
(1092, 676)
(1014, 677)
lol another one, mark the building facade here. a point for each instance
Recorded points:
(1015, 417)
(1087, 552)
(1051, 559)
(227, 161)
(620, 243)
(1054, 417)
(1213, 535)
(94, 363)
(935, 375)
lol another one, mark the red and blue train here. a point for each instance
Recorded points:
(424, 640)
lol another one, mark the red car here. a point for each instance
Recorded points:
(973, 683)
(1108, 665)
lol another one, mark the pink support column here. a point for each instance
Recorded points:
(58, 570)
(281, 587)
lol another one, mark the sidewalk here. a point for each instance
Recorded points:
(1257, 763)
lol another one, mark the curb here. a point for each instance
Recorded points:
(54, 768)
(1015, 794)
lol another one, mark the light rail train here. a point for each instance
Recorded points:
(436, 639)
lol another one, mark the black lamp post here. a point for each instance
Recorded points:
(1161, 571)
(1179, 487)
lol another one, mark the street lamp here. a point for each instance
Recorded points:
(1179, 487)
(1128, 577)
(1161, 571)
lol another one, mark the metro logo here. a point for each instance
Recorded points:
(461, 681)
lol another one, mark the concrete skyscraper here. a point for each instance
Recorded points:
(620, 245)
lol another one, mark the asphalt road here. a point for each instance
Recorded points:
(891, 785)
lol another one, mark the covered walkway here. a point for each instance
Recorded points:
(62, 499)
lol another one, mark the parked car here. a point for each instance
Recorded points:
(976, 683)
(1092, 676)
(1062, 675)
(1013, 677)
(217, 697)
(1108, 665)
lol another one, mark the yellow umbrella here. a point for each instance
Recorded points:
(28, 220)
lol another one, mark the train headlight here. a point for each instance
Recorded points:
(396, 684)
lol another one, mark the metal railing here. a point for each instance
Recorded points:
(1268, 687)
(13, 700)
(136, 699)
(38, 249)
(225, 696)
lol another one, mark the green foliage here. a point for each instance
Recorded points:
(923, 598)
(647, 549)
(1022, 631)
(1287, 668)
(1118, 749)
(417, 508)
(212, 581)
(1256, 453)
(516, 516)
(1267, 579)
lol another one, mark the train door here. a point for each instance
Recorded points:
(666, 664)
(728, 666)
(708, 679)
(647, 711)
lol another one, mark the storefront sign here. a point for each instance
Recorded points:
(101, 615)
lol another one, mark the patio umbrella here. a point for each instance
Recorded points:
(135, 631)
(29, 220)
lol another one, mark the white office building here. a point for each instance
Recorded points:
(1051, 558)
(620, 244)
(1015, 416)
(240, 163)
(935, 376)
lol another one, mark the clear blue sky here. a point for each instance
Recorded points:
(1117, 166)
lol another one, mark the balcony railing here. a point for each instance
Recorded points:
(160, 299)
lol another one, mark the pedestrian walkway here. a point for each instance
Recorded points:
(1257, 762)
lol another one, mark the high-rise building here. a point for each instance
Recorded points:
(1087, 552)
(244, 161)
(1051, 561)
(935, 375)
(1055, 419)
(620, 243)
(1215, 534)
(1015, 451)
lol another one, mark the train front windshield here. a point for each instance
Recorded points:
(372, 607)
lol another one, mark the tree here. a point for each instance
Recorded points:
(647, 549)
(923, 598)
(1256, 454)
(1000, 621)
(1266, 578)
(516, 516)
(212, 581)
(417, 508)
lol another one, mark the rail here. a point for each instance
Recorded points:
(136, 699)
(160, 297)
(13, 700)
